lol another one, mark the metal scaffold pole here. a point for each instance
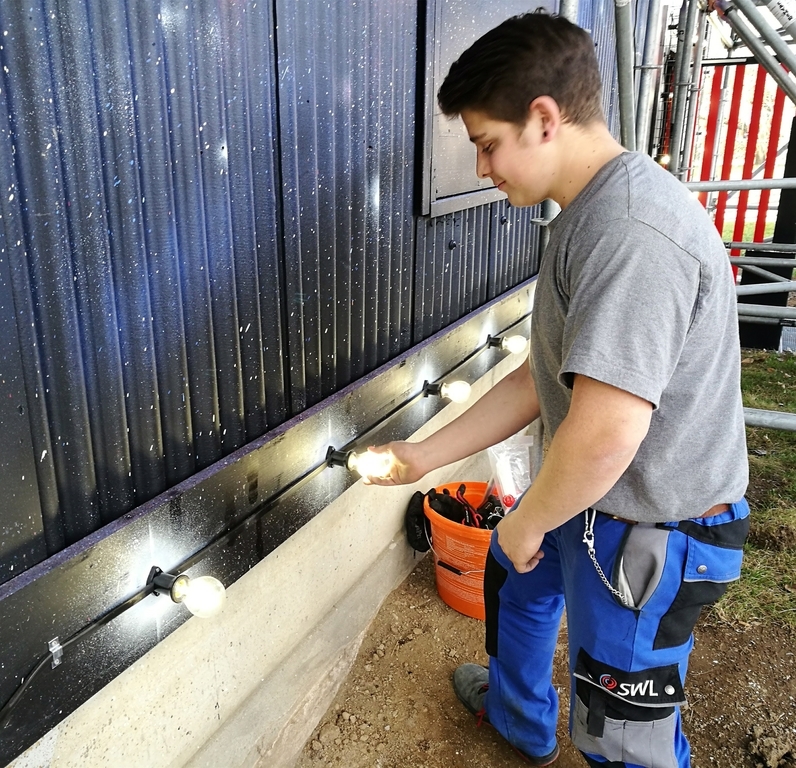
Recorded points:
(683, 76)
(760, 52)
(770, 35)
(693, 98)
(568, 9)
(647, 75)
(623, 15)
(755, 417)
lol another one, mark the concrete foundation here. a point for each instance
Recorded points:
(247, 688)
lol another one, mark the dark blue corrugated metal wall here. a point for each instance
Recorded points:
(347, 131)
(147, 264)
(207, 212)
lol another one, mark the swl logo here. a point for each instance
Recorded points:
(606, 681)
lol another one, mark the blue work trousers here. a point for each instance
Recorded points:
(628, 649)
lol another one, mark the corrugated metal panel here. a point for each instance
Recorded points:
(515, 246)
(452, 268)
(146, 274)
(208, 219)
(470, 257)
(346, 96)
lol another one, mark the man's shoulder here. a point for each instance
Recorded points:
(639, 195)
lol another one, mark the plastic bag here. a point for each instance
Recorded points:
(511, 468)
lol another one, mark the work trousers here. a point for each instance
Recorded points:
(628, 648)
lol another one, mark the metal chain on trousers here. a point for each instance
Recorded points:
(588, 540)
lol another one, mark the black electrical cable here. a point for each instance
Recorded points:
(224, 537)
(6, 709)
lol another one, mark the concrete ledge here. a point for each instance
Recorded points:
(247, 688)
(273, 724)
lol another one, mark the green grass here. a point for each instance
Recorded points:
(748, 231)
(767, 589)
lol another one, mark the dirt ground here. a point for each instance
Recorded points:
(397, 708)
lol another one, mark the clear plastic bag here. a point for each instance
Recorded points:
(510, 462)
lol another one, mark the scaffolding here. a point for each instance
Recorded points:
(678, 74)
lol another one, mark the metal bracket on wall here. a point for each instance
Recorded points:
(54, 646)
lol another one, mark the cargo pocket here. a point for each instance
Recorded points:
(626, 717)
(713, 560)
(494, 578)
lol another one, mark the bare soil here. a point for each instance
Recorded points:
(397, 708)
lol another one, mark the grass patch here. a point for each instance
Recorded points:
(767, 589)
(748, 231)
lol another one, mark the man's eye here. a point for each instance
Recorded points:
(487, 149)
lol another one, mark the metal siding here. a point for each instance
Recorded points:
(144, 169)
(346, 95)
(598, 17)
(214, 218)
(35, 108)
(515, 246)
(453, 254)
(22, 543)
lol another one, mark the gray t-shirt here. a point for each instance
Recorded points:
(635, 290)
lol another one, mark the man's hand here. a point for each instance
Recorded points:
(520, 542)
(407, 463)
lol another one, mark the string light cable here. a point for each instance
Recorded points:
(156, 585)
(56, 649)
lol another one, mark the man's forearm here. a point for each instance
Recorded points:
(503, 411)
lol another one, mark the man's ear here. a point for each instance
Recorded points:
(546, 114)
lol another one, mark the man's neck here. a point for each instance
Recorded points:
(584, 150)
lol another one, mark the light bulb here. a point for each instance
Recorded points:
(203, 597)
(370, 464)
(514, 344)
(457, 391)
(665, 160)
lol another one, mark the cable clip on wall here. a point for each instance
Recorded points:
(203, 597)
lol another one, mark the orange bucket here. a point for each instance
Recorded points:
(460, 554)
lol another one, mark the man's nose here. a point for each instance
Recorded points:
(482, 168)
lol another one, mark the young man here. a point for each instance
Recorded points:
(637, 518)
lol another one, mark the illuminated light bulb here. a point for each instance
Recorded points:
(664, 160)
(457, 391)
(514, 344)
(367, 463)
(203, 596)
(370, 464)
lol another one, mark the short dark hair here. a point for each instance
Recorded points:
(526, 56)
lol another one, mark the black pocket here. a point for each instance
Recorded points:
(713, 561)
(494, 578)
